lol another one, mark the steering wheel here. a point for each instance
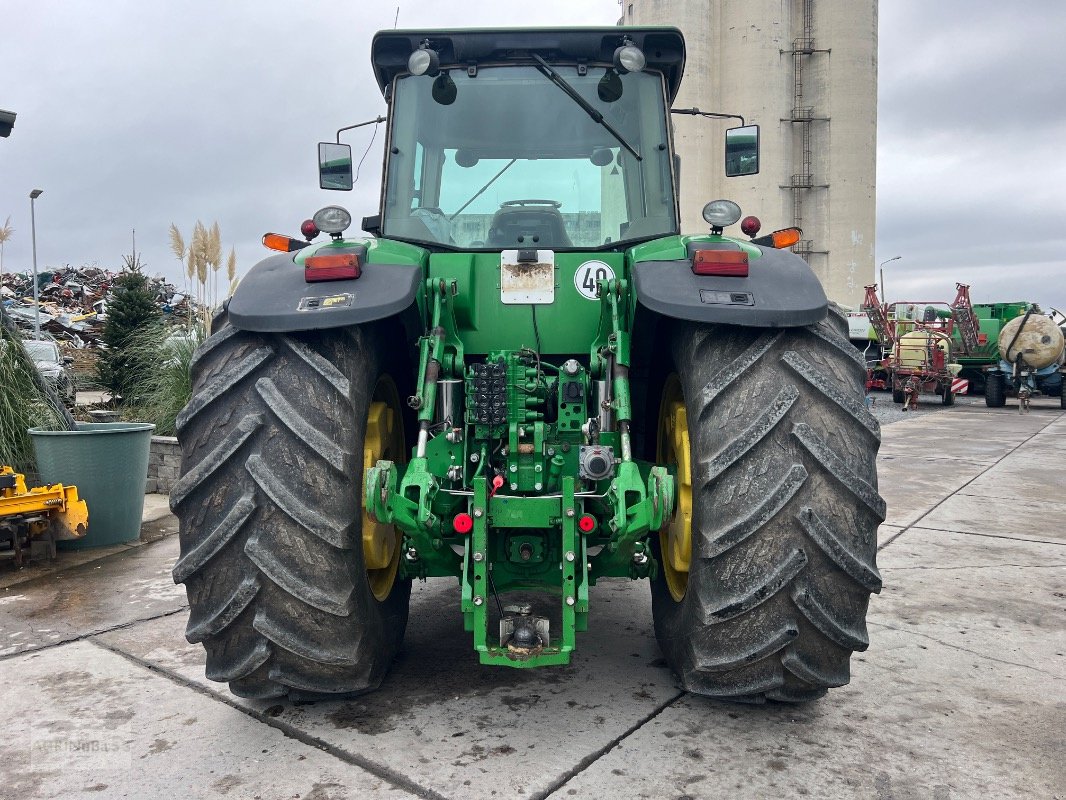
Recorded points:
(552, 203)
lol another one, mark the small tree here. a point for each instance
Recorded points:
(126, 363)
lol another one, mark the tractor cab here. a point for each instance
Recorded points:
(503, 139)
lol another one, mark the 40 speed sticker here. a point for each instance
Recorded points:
(588, 274)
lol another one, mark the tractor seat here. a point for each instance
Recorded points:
(524, 223)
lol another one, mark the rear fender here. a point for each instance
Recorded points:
(274, 297)
(780, 291)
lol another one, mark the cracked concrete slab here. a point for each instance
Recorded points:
(130, 585)
(82, 721)
(449, 723)
(40, 564)
(1023, 519)
(157, 522)
(960, 434)
(912, 487)
(937, 460)
(886, 533)
(1001, 598)
(1032, 475)
(917, 721)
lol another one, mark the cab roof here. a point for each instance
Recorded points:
(663, 47)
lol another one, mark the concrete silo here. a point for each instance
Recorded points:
(806, 72)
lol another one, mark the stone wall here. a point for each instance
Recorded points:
(164, 465)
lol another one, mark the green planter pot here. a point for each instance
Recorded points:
(108, 462)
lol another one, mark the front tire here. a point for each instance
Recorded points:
(270, 511)
(784, 510)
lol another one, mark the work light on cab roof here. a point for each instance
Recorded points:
(629, 57)
(424, 60)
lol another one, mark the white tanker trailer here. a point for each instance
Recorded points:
(1032, 350)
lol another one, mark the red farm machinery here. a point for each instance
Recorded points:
(917, 337)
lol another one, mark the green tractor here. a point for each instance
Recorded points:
(526, 379)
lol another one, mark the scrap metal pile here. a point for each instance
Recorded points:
(73, 302)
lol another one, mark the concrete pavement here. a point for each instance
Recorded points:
(961, 694)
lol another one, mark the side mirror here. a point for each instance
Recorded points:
(68, 360)
(335, 166)
(742, 151)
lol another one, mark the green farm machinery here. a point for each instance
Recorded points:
(526, 379)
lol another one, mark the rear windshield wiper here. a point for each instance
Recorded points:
(597, 117)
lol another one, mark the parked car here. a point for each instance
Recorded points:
(53, 367)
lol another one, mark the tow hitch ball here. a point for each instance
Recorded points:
(522, 632)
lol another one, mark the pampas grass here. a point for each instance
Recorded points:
(202, 259)
(6, 233)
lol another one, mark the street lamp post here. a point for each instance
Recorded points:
(881, 270)
(33, 235)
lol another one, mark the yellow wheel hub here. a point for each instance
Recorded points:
(383, 440)
(673, 448)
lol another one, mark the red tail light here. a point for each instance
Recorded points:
(727, 263)
(331, 267)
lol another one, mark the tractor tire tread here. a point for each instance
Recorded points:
(274, 573)
(785, 514)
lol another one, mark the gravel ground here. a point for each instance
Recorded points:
(888, 412)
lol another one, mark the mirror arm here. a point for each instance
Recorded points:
(695, 112)
(375, 121)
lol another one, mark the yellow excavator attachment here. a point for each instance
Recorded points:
(52, 512)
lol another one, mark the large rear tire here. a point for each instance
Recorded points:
(784, 513)
(270, 511)
(996, 390)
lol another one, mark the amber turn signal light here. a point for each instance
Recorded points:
(786, 237)
(282, 243)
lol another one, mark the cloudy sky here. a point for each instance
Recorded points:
(133, 115)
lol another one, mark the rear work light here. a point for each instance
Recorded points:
(725, 263)
(334, 267)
